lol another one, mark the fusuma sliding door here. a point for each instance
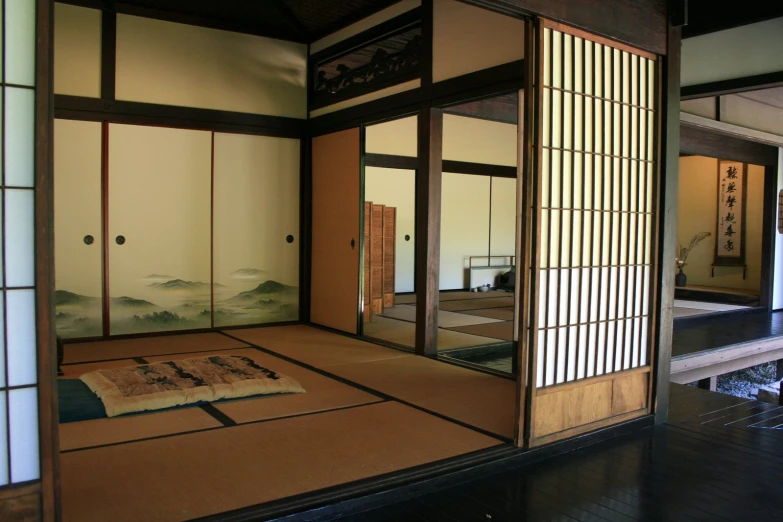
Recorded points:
(255, 229)
(336, 232)
(591, 328)
(78, 246)
(159, 228)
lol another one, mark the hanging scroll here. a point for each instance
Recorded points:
(730, 237)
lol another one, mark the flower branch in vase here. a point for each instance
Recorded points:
(680, 279)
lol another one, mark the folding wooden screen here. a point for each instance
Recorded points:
(595, 195)
(380, 224)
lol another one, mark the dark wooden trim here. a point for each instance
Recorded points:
(376, 7)
(105, 296)
(362, 234)
(428, 214)
(734, 85)
(427, 38)
(768, 233)
(493, 81)
(305, 217)
(48, 416)
(395, 25)
(668, 150)
(500, 79)
(212, 232)
(108, 54)
(703, 142)
(246, 27)
(391, 161)
(136, 113)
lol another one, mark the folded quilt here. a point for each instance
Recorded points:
(173, 383)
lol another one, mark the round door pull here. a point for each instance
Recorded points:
(407, 237)
(353, 243)
(289, 238)
(120, 240)
(88, 239)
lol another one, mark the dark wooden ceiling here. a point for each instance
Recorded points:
(709, 16)
(302, 21)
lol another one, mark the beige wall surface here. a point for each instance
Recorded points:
(747, 50)
(77, 202)
(468, 39)
(364, 24)
(464, 139)
(256, 205)
(464, 227)
(77, 51)
(397, 188)
(177, 64)
(377, 95)
(503, 216)
(697, 212)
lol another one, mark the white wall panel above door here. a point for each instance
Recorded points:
(177, 64)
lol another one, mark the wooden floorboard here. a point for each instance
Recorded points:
(711, 462)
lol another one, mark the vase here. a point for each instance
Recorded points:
(680, 279)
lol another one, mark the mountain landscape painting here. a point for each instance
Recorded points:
(166, 303)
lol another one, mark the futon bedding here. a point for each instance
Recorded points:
(166, 384)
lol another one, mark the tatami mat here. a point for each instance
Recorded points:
(322, 394)
(199, 474)
(475, 398)
(501, 330)
(404, 334)
(476, 304)
(445, 319)
(452, 296)
(504, 314)
(141, 347)
(84, 434)
(314, 346)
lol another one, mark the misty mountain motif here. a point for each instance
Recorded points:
(249, 273)
(179, 284)
(131, 302)
(64, 298)
(157, 278)
(263, 292)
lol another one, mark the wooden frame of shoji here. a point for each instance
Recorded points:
(593, 267)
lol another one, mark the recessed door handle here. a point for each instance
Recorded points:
(88, 239)
(353, 243)
(120, 240)
(289, 238)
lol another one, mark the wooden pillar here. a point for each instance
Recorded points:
(779, 370)
(428, 191)
(669, 136)
(710, 383)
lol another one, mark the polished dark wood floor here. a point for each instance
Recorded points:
(718, 458)
(707, 334)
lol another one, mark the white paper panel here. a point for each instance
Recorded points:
(4, 469)
(19, 134)
(19, 237)
(608, 190)
(23, 417)
(20, 320)
(20, 42)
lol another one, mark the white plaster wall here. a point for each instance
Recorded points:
(742, 51)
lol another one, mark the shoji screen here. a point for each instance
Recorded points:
(19, 456)
(597, 195)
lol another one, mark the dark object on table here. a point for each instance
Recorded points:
(60, 347)
(508, 280)
(680, 279)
